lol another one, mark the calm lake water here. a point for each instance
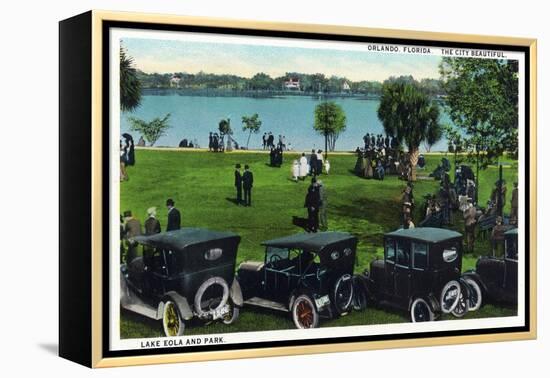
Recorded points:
(193, 117)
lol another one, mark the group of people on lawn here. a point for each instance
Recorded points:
(311, 165)
(130, 227)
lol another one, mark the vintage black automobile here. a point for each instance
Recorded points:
(181, 275)
(498, 276)
(308, 274)
(420, 273)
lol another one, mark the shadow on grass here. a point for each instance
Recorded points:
(232, 200)
(300, 222)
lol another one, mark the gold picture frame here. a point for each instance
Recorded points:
(81, 42)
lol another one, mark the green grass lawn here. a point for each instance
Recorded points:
(201, 184)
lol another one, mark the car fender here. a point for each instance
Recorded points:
(183, 306)
(476, 277)
(236, 294)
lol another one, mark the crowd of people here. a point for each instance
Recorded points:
(268, 142)
(381, 156)
(215, 143)
(130, 227)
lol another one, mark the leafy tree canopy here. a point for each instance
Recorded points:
(482, 99)
(330, 121)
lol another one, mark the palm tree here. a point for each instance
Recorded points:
(130, 86)
(408, 114)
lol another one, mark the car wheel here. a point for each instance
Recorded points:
(450, 295)
(475, 295)
(232, 315)
(359, 301)
(421, 311)
(461, 308)
(343, 294)
(172, 321)
(304, 313)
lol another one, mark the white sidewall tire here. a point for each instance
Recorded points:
(181, 329)
(343, 279)
(202, 289)
(421, 302)
(445, 289)
(297, 301)
(474, 286)
(456, 311)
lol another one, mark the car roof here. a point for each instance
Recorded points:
(314, 242)
(179, 239)
(513, 231)
(427, 234)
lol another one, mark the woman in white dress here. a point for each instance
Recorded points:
(295, 170)
(304, 168)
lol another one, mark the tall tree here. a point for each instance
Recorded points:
(224, 127)
(130, 85)
(252, 125)
(408, 114)
(151, 131)
(330, 121)
(482, 98)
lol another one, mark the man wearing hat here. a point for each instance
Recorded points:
(470, 225)
(497, 237)
(239, 184)
(132, 228)
(174, 217)
(152, 224)
(248, 181)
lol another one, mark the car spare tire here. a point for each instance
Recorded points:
(343, 294)
(450, 295)
(211, 296)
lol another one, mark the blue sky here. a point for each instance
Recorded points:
(167, 56)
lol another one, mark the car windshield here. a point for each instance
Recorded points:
(274, 254)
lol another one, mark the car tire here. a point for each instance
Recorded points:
(343, 294)
(172, 322)
(476, 295)
(233, 314)
(421, 311)
(360, 298)
(202, 289)
(461, 308)
(450, 295)
(304, 313)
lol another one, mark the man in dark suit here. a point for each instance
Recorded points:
(313, 163)
(312, 204)
(239, 184)
(248, 180)
(174, 217)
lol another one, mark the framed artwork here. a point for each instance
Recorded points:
(235, 189)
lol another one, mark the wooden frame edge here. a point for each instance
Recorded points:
(98, 16)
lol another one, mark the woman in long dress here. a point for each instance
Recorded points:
(295, 170)
(304, 167)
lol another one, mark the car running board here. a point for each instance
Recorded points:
(266, 303)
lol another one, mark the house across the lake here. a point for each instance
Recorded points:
(175, 81)
(293, 84)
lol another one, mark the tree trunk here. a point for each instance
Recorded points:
(414, 153)
(326, 146)
(248, 140)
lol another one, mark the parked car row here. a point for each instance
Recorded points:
(190, 273)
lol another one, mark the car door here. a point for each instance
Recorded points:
(388, 285)
(420, 282)
(276, 276)
(402, 272)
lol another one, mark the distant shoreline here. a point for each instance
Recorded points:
(216, 92)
